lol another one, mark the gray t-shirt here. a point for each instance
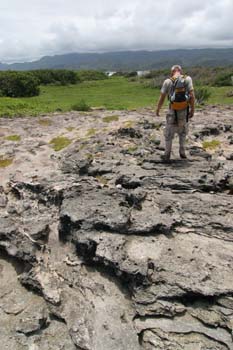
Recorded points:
(167, 85)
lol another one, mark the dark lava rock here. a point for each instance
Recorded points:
(230, 156)
(15, 243)
(208, 130)
(199, 152)
(227, 128)
(143, 262)
(230, 138)
(76, 164)
(129, 132)
(146, 124)
(128, 182)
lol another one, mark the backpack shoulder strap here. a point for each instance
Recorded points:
(173, 87)
(174, 82)
(185, 81)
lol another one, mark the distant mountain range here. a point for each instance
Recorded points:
(130, 60)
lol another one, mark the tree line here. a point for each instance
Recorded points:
(27, 83)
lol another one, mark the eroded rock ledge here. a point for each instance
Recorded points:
(103, 246)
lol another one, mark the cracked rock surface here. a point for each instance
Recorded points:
(104, 246)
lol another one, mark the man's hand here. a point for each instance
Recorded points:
(191, 114)
(192, 101)
(160, 103)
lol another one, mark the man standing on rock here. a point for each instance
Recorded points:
(180, 92)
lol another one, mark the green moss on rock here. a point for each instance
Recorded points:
(5, 162)
(60, 142)
(70, 128)
(15, 138)
(111, 118)
(45, 122)
(129, 123)
(211, 144)
(91, 132)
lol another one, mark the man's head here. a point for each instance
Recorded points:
(176, 69)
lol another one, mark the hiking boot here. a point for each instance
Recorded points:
(165, 157)
(183, 156)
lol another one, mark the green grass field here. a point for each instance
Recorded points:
(219, 95)
(113, 93)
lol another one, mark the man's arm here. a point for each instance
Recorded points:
(160, 103)
(191, 103)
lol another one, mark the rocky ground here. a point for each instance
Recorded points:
(103, 246)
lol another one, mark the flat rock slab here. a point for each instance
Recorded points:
(104, 246)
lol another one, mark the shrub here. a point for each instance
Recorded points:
(81, 106)
(132, 79)
(161, 74)
(131, 74)
(202, 94)
(212, 76)
(56, 76)
(18, 84)
(84, 75)
(120, 74)
(229, 94)
(224, 79)
(154, 83)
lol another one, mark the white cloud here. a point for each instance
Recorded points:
(31, 29)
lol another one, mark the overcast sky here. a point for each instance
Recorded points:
(30, 29)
